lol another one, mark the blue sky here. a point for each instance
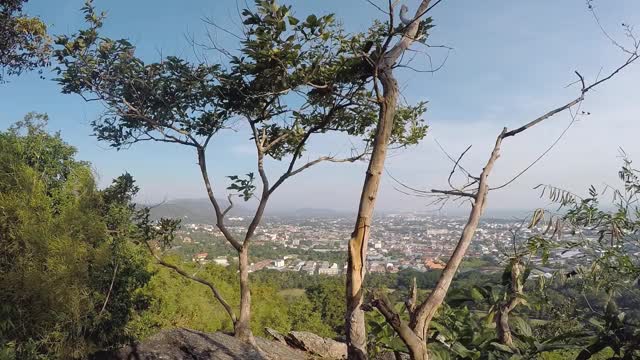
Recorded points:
(511, 62)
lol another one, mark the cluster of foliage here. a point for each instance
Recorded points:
(284, 62)
(24, 42)
(69, 278)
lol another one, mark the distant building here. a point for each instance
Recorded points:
(200, 257)
(259, 265)
(221, 260)
(325, 269)
(434, 264)
(309, 267)
(376, 267)
(279, 263)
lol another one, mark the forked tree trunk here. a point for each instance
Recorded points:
(356, 269)
(243, 326)
(416, 333)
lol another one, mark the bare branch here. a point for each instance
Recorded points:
(377, 7)
(113, 280)
(453, 193)
(544, 117)
(451, 158)
(209, 284)
(224, 213)
(455, 165)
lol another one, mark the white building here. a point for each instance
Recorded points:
(328, 270)
(221, 260)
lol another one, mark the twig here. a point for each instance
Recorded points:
(113, 279)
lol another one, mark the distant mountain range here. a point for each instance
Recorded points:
(200, 211)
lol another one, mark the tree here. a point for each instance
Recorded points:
(415, 331)
(327, 299)
(607, 235)
(24, 42)
(382, 61)
(68, 279)
(305, 317)
(291, 80)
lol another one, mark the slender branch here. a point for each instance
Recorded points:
(229, 207)
(377, 7)
(451, 158)
(202, 162)
(455, 165)
(298, 150)
(264, 198)
(327, 159)
(544, 117)
(454, 193)
(113, 280)
(544, 153)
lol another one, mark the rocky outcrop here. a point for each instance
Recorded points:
(180, 344)
(316, 345)
(275, 335)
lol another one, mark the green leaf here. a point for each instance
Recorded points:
(502, 347)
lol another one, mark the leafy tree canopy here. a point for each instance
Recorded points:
(290, 78)
(24, 42)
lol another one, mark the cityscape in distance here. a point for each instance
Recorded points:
(314, 240)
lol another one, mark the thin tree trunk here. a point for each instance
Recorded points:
(502, 326)
(357, 250)
(515, 298)
(243, 326)
(356, 269)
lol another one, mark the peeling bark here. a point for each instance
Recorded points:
(357, 249)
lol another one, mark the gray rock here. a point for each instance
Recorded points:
(180, 344)
(275, 335)
(317, 345)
